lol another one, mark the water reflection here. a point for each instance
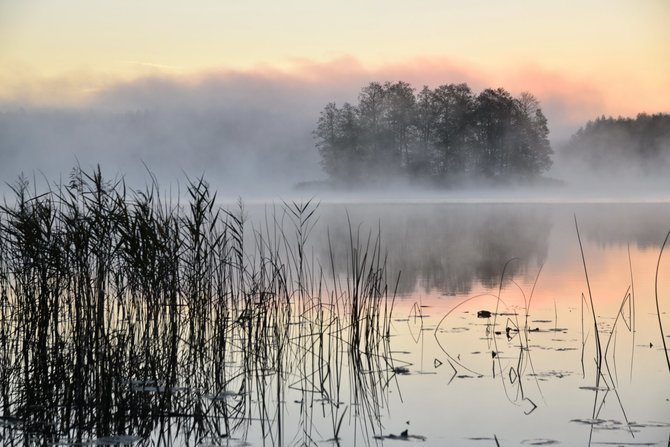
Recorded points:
(641, 224)
(453, 248)
(541, 363)
(446, 247)
(272, 328)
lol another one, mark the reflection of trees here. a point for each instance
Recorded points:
(445, 247)
(450, 247)
(642, 224)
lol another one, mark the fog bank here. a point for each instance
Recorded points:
(249, 133)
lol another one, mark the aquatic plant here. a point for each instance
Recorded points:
(125, 317)
(605, 375)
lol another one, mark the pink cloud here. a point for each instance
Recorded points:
(567, 99)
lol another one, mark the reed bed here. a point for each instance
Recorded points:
(125, 317)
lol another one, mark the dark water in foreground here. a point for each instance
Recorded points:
(551, 360)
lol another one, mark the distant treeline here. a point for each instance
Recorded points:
(605, 143)
(443, 136)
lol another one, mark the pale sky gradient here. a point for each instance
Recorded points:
(616, 52)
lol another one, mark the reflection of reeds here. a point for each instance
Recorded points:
(513, 378)
(658, 310)
(510, 376)
(121, 313)
(599, 353)
(603, 370)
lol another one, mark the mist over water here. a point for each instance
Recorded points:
(230, 315)
(346, 231)
(251, 136)
(247, 135)
(450, 249)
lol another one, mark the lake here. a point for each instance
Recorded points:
(541, 386)
(360, 324)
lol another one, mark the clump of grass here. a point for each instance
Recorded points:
(122, 313)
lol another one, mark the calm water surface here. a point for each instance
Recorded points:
(528, 379)
(496, 336)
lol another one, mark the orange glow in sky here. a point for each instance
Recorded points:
(613, 55)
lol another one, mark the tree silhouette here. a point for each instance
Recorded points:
(641, 143)
(443, 136)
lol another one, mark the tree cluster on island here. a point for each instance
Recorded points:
(609, 143)
(440, 136)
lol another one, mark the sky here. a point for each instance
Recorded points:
(582, 59)
(617, 50)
